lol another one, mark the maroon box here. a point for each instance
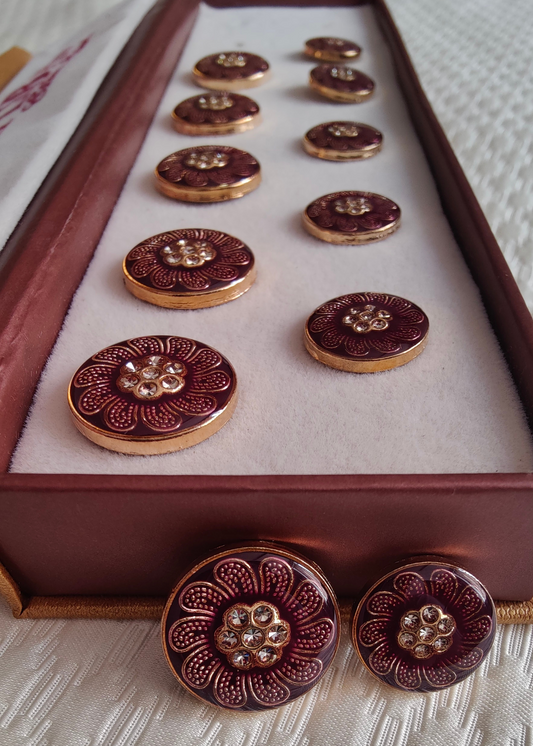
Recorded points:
(94, 545)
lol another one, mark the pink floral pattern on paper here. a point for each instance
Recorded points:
(207, 649)
(395, 608)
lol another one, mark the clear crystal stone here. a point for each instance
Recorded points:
(131, 366)
(266, 655)
(147, 390)
(411, 621)
(151, 373)
(366, 316)
(129, 381)
(234, 59)
(192, 260)
(252, 637)
(241, 658)
(343, 130)
(430, 614)
(263, 614)
(362, 327)
(171, 383)
(422, 651)
(228, 639)
(173, 259)
(426, 634)
(215, 102)
(342, 73)
(445, 625)
(277, 634)
(407, 640)
(167, 250)
(154, 360)
(441, 644)
(174, 368)
(238, 617)
(379, 324)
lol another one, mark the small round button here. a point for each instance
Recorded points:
(343, 141)
(189, 268)
(231, 71)
(152, 395)
(366, 332)
(424, 627)
(331, 49)
(208, 173)
(341, 83)
(352, 217)
(216, 113)
(251, 628)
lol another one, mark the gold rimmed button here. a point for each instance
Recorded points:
(341, 83)
(208, 173)
(331, 49)
(231, 71)
(343, 141)
(189, 268)
(352, 217)
(219, 113)
(152, 395)
(366, 332)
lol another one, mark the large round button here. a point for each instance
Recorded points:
(231, 71)
(251, 628)
(221, 113)
(208, 173)
(343, 141)
(152, 395)
(341, 83)
(189, 268)
(352, 217)
(366, 332)
(331, 49)
(424, 627)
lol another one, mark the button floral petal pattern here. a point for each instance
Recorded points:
(331, 48)
(343, 140)
(341, 83)
(216, 113)
(149, 387)
(251, 629)
(231, 67)
(424, 627)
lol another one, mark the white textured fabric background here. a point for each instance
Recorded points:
(103, 683)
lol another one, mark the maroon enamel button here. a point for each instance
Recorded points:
(366, 332)
(424, 627)
(352, 217)
(251, 628)
(216, 113)
(343, 141)
(341, 83)
(231, 71)
(331, 49)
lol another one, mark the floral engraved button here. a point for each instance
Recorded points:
(231, 71)
(343, 141)
(152, 395)
(352, 217)
(208, 173)
(331, 49)
(218, 113)
(189, 268)
(251, 628)
(424, 627)
(341, 83)
(366, 332)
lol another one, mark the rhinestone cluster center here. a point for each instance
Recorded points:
(426, 632)
(188, 253)
(367, 319)
(215, 102)
(234, 59)
(252, 635)
(342, 73)
(211, 159)
(343, 130)
(353, 205)
(151, 377)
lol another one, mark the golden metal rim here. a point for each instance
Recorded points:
(358, 608)
(363, 366)
(329, 154)
(252, 547)
(216, 84)
(348, 239)
(330, 56)
(208, 194)
(341, 96)
(194, 299)
(153, 445)
(231, 128)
